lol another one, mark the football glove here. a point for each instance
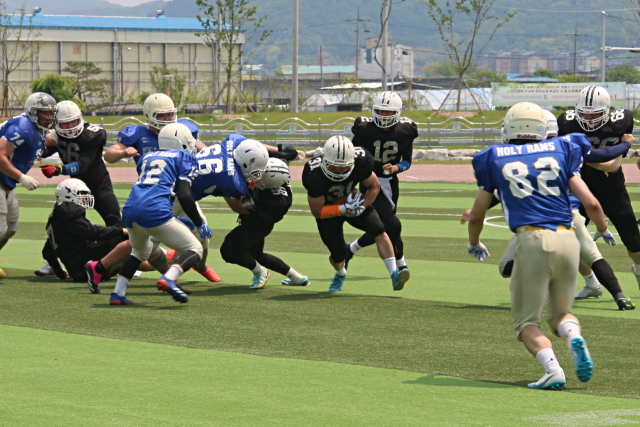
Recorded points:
(28, 182)
(606, 236)
(186, 221)
(247, 203)
(479, 251)
(205, 231)
(52, 170)
(353, 206)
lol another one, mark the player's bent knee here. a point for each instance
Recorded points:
(228, 251)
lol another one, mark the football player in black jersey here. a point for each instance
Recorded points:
(74, 239)
(331, 180)
(592, 117)
(269, 203)
(79, 146)
(389, 138)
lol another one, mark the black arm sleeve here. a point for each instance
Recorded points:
(183, 193)
(48, 152)
(601, 155)
(407, 153)
(83, 228)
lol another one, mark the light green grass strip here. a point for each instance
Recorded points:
(58, 379)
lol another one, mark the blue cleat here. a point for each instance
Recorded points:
(581, 359)
(260, 279)
(399, 278)
(349, 255)
(550, 381)
(336, 283)
(171, 287)
(116, 299)
(304, 282)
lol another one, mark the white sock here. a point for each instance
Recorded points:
(569, 329)
(548, 360)
(355, 247)
(400, 262)
(294, 276)
(391, 265)
(342, 271)
(592, 281)
(121, 286)
(173, 273)
(257, 269)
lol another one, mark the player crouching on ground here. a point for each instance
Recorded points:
(533, 180)
(331, 180)
(74, 239)
(148, 212)
(270, 200)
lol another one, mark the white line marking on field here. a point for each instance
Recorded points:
(489, 218)
(588, 418)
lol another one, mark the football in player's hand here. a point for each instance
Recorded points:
(342, 200)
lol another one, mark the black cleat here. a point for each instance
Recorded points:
(625, 304)
(349, 255)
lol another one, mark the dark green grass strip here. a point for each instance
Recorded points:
(467, 341)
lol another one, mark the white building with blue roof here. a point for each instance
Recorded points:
(126, 48)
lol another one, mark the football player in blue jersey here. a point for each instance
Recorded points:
(22, 140)
(533, 180)
(148, 212)
(134, 141)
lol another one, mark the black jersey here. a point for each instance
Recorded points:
(86, 150)
(318, 184)
(387, 146)
(620, 123)
(272, 204)
(70, 232)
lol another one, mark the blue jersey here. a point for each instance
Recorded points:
(144, 140)
(532, 180)
(150, 201)
(218, 173)
(27, 142)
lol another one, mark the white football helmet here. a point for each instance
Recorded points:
(40, 101)
(276, 174)
(76, 191)
(338, 152)
(593, 100)
(159, 103)
(68, 111)
(176, 136)
(386, 101)
(525, 121)
(252, 157)
(552, 124)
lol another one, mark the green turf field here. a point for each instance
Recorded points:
(440, 352)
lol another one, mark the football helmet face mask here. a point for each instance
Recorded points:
(276, 174)
(552, 124)
(386, 101)
(75, 191)
(524, 121)
(592, 108)
(252, 157)
(68, 111)
(176, 136)
(38, 103)
(339, 152)
(157, 104)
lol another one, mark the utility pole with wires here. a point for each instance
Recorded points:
(575, 36)
(385, 42)
(358, 21)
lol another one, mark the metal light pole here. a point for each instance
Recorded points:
(294, 73)
(602, 53)
(167, 87)
(385, 43)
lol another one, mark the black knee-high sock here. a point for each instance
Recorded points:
(186, 260)
(605, 275)
(274, 263)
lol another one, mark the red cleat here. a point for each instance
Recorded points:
(170, 254)
(209, 274)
